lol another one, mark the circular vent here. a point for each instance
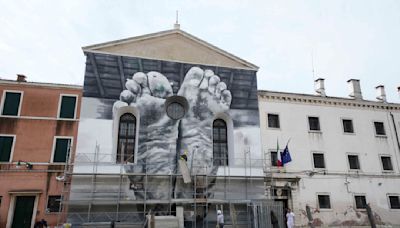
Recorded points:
(176, 107)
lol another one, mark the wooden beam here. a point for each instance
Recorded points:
(121, 72)
(96, 73)
(159, 66)
(140, 65)
(251, 88)
(231, 80)
(181, 75)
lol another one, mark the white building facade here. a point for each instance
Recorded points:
(345, 154)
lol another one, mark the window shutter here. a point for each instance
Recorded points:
(67, 109)
(61, 150)
(5, 148)
(11, 104)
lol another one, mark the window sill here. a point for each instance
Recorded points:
(274, 128)
(320, 170)
(381, 136)
(355, 171)
(10, 116)
(66, 119)
(388, 171)
(325, 209)
(349, 133)
(361, 209)
(315, 131)
(53, 213)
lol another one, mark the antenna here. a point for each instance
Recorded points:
(177, 25)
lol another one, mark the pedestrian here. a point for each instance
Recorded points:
(220, 219)
(41, 224)
(274, 220)
(290, 218)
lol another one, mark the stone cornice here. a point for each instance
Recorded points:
(296, 98)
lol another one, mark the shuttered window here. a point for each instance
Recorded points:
(6, 143)
(11, 103)
(386, 163)
(353, 162)
(319, 161)
(61, 150)
(273, 121)
(314, 123)
(379, 128)
(394, 202)
(67, 109)
(348, 126)
(361, 202)
(324, 201)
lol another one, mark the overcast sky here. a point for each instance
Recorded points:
(347, 39)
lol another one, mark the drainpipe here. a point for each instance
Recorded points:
(395, 131)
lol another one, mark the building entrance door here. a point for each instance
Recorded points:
(23, 211)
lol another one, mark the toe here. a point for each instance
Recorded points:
(159, 85)
(127, 96)
(212, 83)
(207, 75)
(220, 87)
(226, 98)
(141, 79)
(132, 86)
(194, 76)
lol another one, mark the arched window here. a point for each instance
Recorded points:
(220, 143)
(126, 138)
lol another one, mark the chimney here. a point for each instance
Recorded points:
(319, 87)
(380, 93)
(21, 78)
(355, 89)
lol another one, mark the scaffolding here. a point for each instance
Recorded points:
(102, 192)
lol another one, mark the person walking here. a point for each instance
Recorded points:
(290, 218)
(220, 219)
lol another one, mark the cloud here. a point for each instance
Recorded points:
(43, 39)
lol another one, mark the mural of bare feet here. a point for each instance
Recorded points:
(207, 96)
(157, 132)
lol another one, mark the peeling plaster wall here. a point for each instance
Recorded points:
(370, 180)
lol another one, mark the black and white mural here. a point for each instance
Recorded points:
(146, 115)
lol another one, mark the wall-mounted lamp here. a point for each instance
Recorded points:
(27, 164)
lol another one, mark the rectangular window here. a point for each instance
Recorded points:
(353, 162)
(274, 158)
(361, 202)
(67, 107)
(11, 103)
(348, 126)
(273, 121)
(6, 143)
(61, 149)
(54, 204)
(379, 128)
(319, 161)
(313, 122)
(394, 202)
(386, 163)
(324, 202)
